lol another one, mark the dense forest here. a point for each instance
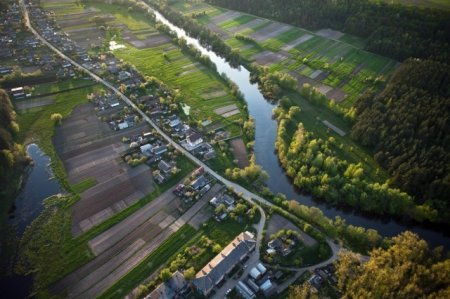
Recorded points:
(395, 31)
(314, 166)
(408, 126)
(12, 155)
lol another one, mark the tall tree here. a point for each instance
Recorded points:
(408, 268)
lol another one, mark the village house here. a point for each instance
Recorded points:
(213, 274)
(175, 287)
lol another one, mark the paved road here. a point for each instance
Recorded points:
(246, 194)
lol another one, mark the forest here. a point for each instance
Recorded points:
(407, 126)
(314, 166)
(396, 31)
(12, 155)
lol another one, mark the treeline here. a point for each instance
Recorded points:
(206, 37)
(12, 155)
(271, 84)
(408, 126)
(314, 167)
(395, 31)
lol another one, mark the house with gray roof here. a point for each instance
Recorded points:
(175, 287)
(215, 271)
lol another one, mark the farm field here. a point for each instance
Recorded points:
(329, 60)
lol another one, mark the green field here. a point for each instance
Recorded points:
(345, 67)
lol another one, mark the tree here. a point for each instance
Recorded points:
(220, 209)
(406, 269)
(217, 248)
(165, 274)
(56, 118)
(303, 291)
(189, 273)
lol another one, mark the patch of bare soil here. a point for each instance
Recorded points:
(240, 152)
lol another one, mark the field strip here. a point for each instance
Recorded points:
(248, 25)
(28, 104)
(297, 42)
(231, 113)
(226, 16)
(225, 109)
(86, 282)
(214, 94)
(334, 128)
(120, 230)
(270, 31)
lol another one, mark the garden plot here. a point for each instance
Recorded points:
(227, 111)
(298, 41)
(80, 19)
(214, 94)
(33, 103)
(269, 57)
(337, 94)
(87, 37)
(225, 17)
(148, 42)
(278, 222)
(270, 31)
(249, 25)
(329, 33)
(240, 152)
(216, 29)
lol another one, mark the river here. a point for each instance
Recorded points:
(261, 111)
(39, 183)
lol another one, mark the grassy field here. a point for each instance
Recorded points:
(344, 65)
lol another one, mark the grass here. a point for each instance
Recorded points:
(236, 21)
(52, 87)
(84, 185)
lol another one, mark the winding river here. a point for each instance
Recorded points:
(266, 128)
